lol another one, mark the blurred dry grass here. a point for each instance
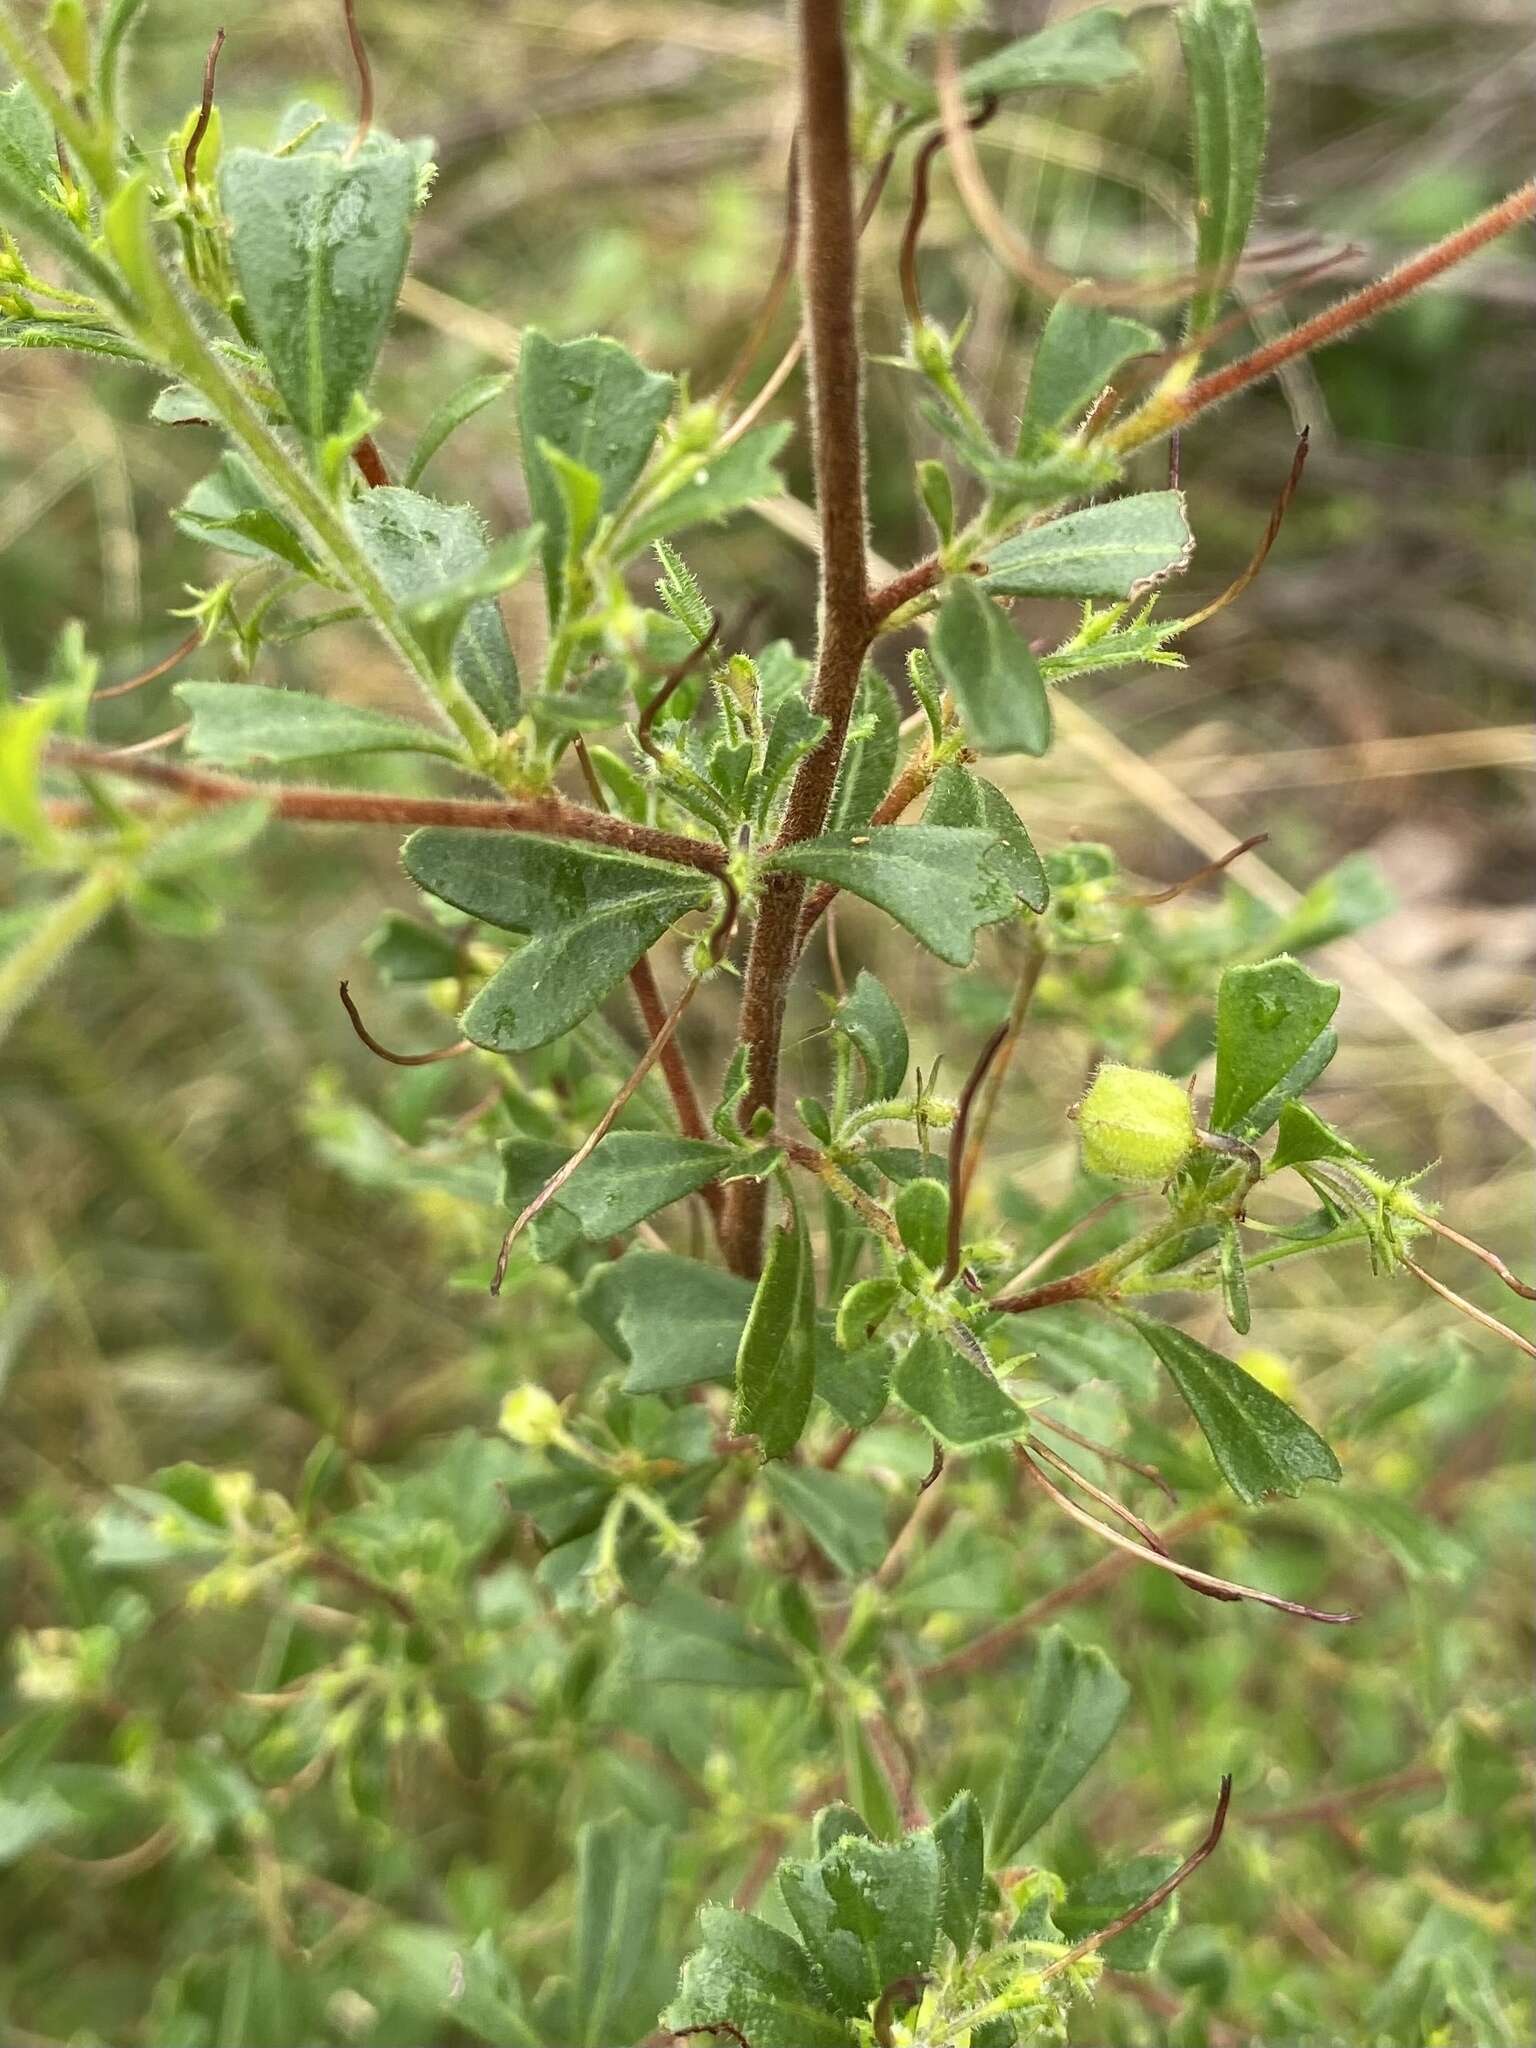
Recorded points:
(618, 163)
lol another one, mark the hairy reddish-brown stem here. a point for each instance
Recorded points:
(555, 817)
(829, 281)
(1160, 414)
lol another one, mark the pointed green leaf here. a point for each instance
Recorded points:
(590, 914)
(674, 1321)
(942, 884)
(795, 729)
(597, 406)
(620, 1873)
(1099, 1899)
(1088, 51)
(1272, 1041)
(425, 552)
(757, 1981)
(993, 677)
(869, 758)
(960, 798)
(1260, 1445)
(26, 141)
(1303, 1136)
(240, 724)
(684, 1639)
(1119, 549)
(1234, 1279)
(961, 1844)
(627, 1177)
(456, 410)
(1224, 62)
(867, 1913)
(775, 1363)
(871, 1020)
(1080, 349)
(229, 510)
(1345, 900)
(844, 1514)
(403, 950)
(73, 336)
(722, 485)
(1075, 1703)
(320, 245)
(439, 619)
(962, 1405)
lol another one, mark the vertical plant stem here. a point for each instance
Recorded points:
(254, 1299)
(30, 964)
(829, 283)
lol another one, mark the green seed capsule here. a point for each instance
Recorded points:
(922, 1216)
(1136, 1126)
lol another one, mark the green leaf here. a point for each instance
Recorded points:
(73, 336)
(867, 1913)
(240, 724)
(869, 758)
(794, 731)
(675, 1322)
(844, 1514)
(1272, 1041)
(855, 1384)
(962, 1405)
(627, 1177)
(1303, 1136)
(438, 619)
(921, 1210)
(775, 1363)
(403, 950)
(319, 246)
(1119, 549)
(960, 1838)
(684, 1639)
(718, 487)
(201, 842)
(1234, 1279)
(1260, 1445)
(229, 510)
(591, 914)
(469, 1987)
(1099, 1899)
(759, 1981)
(1225, 65)
(943, 884)
(620, 1873)
(425, 552)
(1347, 899)
(456, 410)
(26, 142)
(960, 798)
(119, 20)
(597, 406)
(1075, 1703)
(1081, 347)
(1088, 51)
(991, 673)
(871, 1021)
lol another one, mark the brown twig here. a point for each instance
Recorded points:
(1018, 1010)
(1172, 409)
(1111, 1456)
(959, 1186)
(1154, 1899)
(829, 270)
(364, 78)
(551, 816)
(1470, 1309)
(671, 681)
(398, 1059)
(152, 674)
(917, 211)
(1201, 1581)
(204, 115)
(1271, 534)
(1489, 1258)
(778, 285)
(1147, 897)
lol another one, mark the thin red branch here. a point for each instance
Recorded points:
(554, 817)
(204, 114)
(397, 1059)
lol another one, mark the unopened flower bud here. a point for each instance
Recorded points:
(531, 1416)
(1136, 1126)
